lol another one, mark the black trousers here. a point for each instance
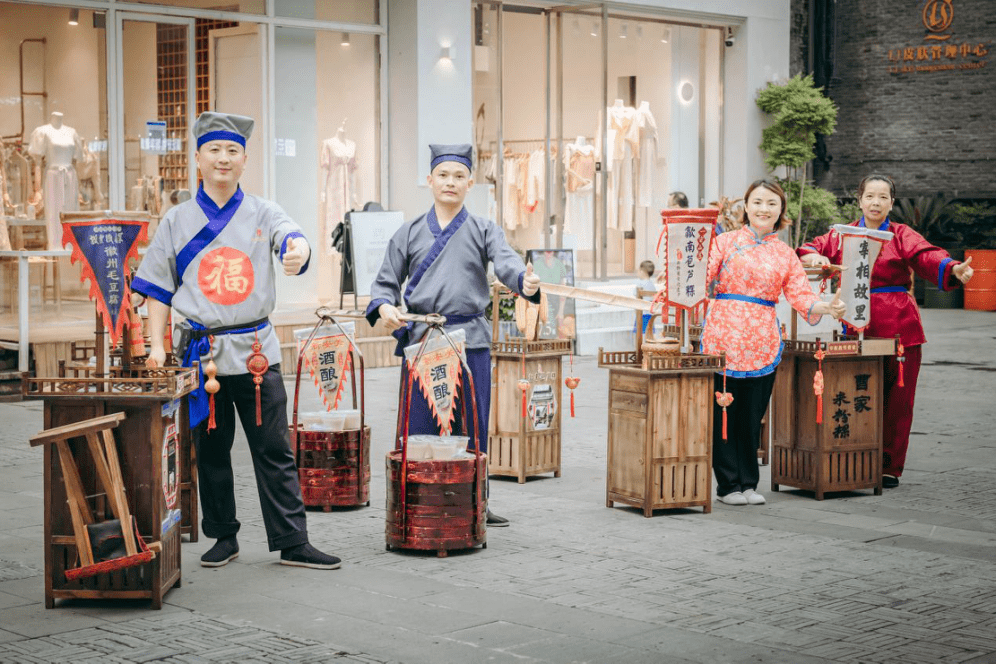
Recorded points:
(276, 471)
(734, 461)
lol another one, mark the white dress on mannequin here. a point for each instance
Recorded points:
(339, 178)
(621, 153)
(644, 130)
(59, 146)
(579, 162)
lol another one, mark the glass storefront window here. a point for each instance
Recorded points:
(345, 11)
(644, 90)
(327, 119)
(53, 82)
(244, 6)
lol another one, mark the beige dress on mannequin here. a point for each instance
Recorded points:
(59, 145)
(339, 191)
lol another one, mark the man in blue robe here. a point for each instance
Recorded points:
(444, 256)
(211, 259)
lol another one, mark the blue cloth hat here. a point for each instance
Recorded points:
(462, 154)
(211, 126)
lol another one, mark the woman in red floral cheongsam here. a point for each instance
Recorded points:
(749, 269)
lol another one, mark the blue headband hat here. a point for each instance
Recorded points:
(462, 154)
(211, 126)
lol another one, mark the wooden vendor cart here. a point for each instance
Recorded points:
(148, 445)
(660, 430)
(831, 441)
(844, 451)
(93, 475)
(523, 445)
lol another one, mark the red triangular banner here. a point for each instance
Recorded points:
(438, 375)
(329, 359)
(103, 247)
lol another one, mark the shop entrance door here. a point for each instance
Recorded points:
(155, 100)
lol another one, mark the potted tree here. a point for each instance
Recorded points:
(933, 218)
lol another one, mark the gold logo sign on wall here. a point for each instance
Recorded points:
(937, 17)
(932, 55)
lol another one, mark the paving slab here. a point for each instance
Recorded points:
(908, 576)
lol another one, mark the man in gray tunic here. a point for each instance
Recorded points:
(443, 255)
(211, 259)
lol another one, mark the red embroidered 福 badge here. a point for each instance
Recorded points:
(225, 276)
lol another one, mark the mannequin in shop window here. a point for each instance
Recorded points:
(339, 189)
(621, 152)
(59, 146)
(579, 162)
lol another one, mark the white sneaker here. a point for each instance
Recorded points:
(754, 498)
(733, 498)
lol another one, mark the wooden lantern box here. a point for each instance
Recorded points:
(844, 453)
(525, 446)
(660, 430)
(150, 444)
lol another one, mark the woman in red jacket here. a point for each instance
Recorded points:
(893, 309)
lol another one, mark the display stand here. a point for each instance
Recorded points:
(149, 444)
(660, 430)
(333, 466)
(435, 505)
(844, 452)
(523, 446)
(152, 436)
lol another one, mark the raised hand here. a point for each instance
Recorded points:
(962, 271)
(296, 256)
(530, 282)
(837, 308)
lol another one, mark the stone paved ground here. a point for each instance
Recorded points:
(909, 576)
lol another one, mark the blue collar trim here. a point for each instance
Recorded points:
(884, 226)
(218, 218)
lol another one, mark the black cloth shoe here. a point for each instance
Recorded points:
(223, 552)
(305, 555)
(889, 482)
(495, 521)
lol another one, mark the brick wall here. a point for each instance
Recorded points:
(930, 130)
(799, 38)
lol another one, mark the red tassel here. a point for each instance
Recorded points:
(259, 408)
(572, 403)
(724, 423)
(902, 360)
(818, 384)
(211, 423)
(523, 404)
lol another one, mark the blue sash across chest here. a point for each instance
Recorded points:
(443, 236)
(218, 219)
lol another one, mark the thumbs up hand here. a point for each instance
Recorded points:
(962, 271)
(297, 255)
(837, 308)
(530, 282)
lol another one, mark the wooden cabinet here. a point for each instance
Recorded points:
(150, 443)
(660, 430)
(844, 452)
(525, 446)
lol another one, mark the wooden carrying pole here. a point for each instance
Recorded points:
(597, 296)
